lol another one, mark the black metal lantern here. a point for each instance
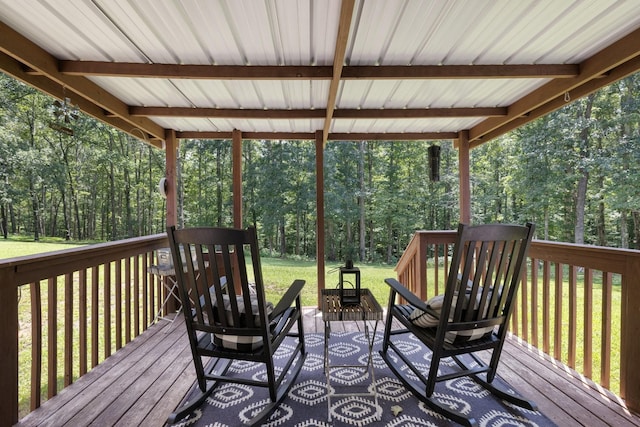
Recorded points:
(434, 161)
(349, 295)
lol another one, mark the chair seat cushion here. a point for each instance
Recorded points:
(425, 319)
(240, 342)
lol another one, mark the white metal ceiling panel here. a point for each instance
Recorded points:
(298, 32)
(462, 93)
(402, 125)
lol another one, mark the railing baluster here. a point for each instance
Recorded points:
(152, 292)
(436, 271)
(95, 320)
(546, 302)
(534, 301)
(588, 323)
(52, 337)
(524, 293)
(127, 300)
(136, 295)
(557, 329)
(107, 308)
(573, 314)
(68, 329)
(82, 329)
(36, 344)
(118, 310)
(605, 347)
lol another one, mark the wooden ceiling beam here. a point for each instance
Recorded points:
(595, 67)
(254, 72)
(15, 69)
(460, 71)
(386, 113)
(409, 136)
(618, 73)
(195, 71)
(35, 58)
(342, 38)
(419, 113)
(414, 136)
(226, 113)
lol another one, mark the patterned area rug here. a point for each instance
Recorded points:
(306, 404)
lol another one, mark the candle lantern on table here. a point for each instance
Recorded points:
(349, 285)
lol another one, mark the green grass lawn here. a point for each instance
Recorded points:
(278, 274)
(15, 247)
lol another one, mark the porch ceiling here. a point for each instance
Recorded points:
(353, 69)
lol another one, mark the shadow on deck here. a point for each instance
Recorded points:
(143, 382)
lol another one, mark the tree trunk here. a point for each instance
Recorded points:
(624, 231)
(3, 222)
(581, 189)
(34, 208)
(283, 243)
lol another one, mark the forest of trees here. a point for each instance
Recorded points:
(573, 173)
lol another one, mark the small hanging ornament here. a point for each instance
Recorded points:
(64, 113)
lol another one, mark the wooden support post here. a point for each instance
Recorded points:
(630, 330)
(464, 177)
(171, 173)
(237, 178)
(9, 353)
(320, 243)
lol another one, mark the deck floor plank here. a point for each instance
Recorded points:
(131, 382)
(71, 399)
(146, 380)
(588, 404)
(150, 379)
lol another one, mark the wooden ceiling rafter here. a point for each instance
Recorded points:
(597, 67)
(412, 136)
(283, 72)
(29, 63)
(560, 101)
(385, 113)
(34, 58)
(39, 81)
(344, 26)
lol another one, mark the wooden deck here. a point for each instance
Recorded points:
(142, 383)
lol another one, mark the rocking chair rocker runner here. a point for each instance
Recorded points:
(472, 315)
(227, 317)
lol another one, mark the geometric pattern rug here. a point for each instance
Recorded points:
(233, 405)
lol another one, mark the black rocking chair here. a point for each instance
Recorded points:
(227, 317)
(472, 315)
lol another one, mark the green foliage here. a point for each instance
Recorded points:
(573, 172)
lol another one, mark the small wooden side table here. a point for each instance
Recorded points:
(367, 310)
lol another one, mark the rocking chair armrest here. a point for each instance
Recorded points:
(409, 296)
(288, 298)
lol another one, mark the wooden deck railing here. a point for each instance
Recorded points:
(65, 312)
(578, 303)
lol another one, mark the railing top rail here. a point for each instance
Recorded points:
(29, 268)
(423, 237)
(613, 260)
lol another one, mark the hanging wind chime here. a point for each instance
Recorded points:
(64, 113)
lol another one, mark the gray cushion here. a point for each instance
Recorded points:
(239, 342)
(424, 319)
